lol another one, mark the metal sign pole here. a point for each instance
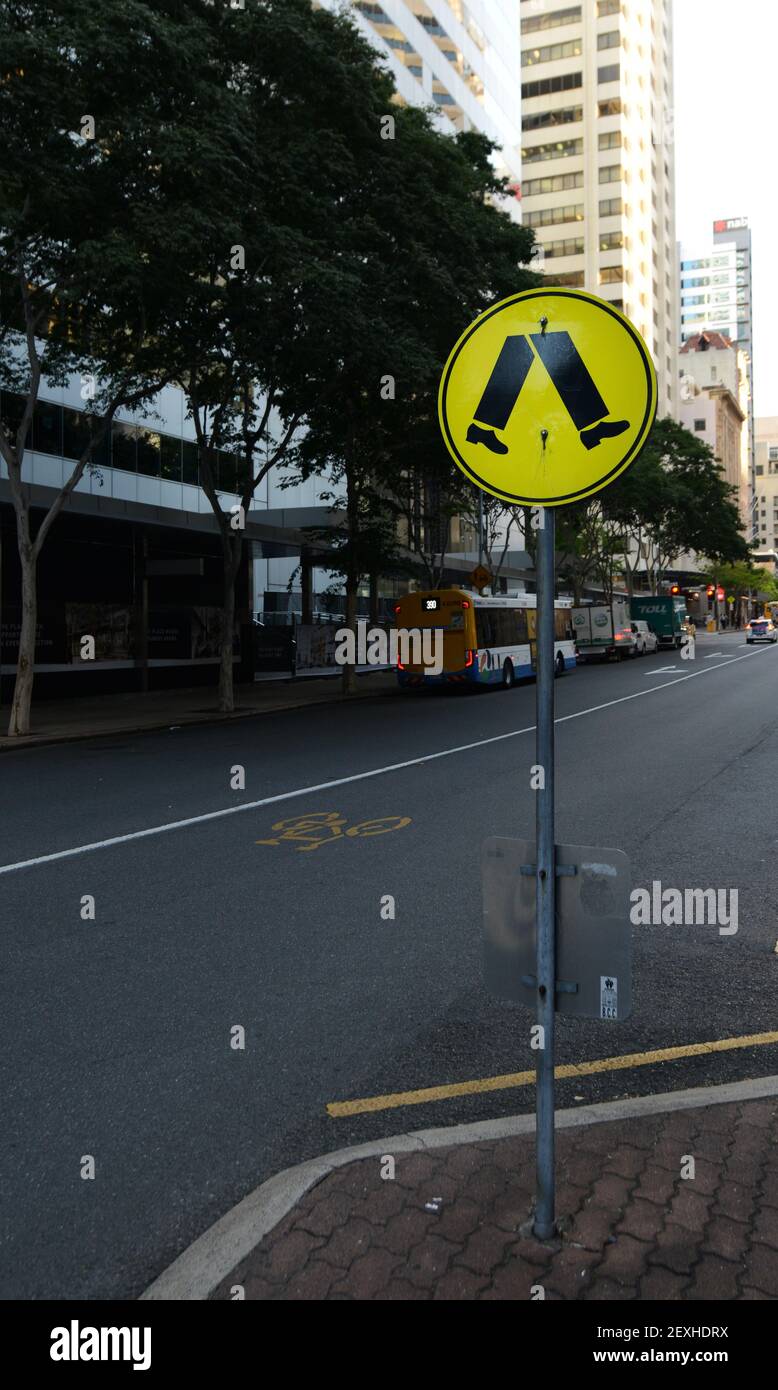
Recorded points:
(544, 1226)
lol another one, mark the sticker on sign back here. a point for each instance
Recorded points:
(609, 996)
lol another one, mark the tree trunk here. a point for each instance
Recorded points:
(352, 573)
(349, 671)
(25, 668)
(231, 544)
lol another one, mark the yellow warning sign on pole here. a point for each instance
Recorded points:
(480, 577)
(547, 397)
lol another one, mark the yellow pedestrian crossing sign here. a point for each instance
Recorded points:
(547, 397)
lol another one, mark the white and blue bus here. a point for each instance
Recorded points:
(486, 641)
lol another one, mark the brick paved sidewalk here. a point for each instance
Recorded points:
(448, 1225)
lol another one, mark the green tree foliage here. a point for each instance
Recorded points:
(230, 198)
(675, 499)
(430, 251)
(93, 99)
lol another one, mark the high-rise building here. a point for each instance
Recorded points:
(461, 56)
(598, 182)
(716, 297)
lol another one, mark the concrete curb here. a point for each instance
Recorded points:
(201, 1268)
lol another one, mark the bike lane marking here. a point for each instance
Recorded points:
(206, 816)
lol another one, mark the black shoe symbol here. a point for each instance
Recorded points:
(606, 429)
(477, 435)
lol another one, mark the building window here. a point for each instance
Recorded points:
(610, 241)
(551, 52)
(610, 73)
(191, 471)
(552, 183)
(549, 217)
(545, 86)
(610, 207)
(609, 140)
(610, 173)
(612, 107)
(571, 278)
(571, 246)
(699, 426)
(47, 428)
(555, 20)
(610, 275)
(759, 470)
(148, 453)
(607, 7)
(170, 458)
(76, 426)
(124, 449)
(564, 115)
(561, 149)
(611, 39)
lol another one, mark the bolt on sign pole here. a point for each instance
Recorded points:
(545, 887)
(573, 364)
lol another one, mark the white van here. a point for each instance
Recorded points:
(604, 632)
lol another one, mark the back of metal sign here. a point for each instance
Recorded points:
(593, 930)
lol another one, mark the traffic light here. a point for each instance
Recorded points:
(674, 589)
(710, 591)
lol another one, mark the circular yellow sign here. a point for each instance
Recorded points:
(547, 397)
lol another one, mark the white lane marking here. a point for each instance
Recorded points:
(713, 655)
(355, 777)
(661, 670)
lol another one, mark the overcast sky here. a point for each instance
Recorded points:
(726, 89)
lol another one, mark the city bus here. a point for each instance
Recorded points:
(486, 641)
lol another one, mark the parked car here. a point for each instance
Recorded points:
(761, 630)
(645, 639)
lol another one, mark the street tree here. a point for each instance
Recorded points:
(674, 499)
(92, 97)
(430, 251)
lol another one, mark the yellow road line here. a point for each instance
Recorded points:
(338, 1108)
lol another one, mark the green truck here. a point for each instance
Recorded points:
(665, 614)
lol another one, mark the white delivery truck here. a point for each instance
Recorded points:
(604, 632)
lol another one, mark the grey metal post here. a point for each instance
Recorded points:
(545, 1225)
(480, 527)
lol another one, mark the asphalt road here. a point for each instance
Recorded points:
(117, 1031)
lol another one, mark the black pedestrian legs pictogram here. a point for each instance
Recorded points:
(569, 373)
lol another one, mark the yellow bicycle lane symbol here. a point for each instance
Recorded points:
(325, 827)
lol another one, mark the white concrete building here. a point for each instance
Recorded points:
(598, 180)
(462, 56)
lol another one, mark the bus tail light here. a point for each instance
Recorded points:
(469, 657)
